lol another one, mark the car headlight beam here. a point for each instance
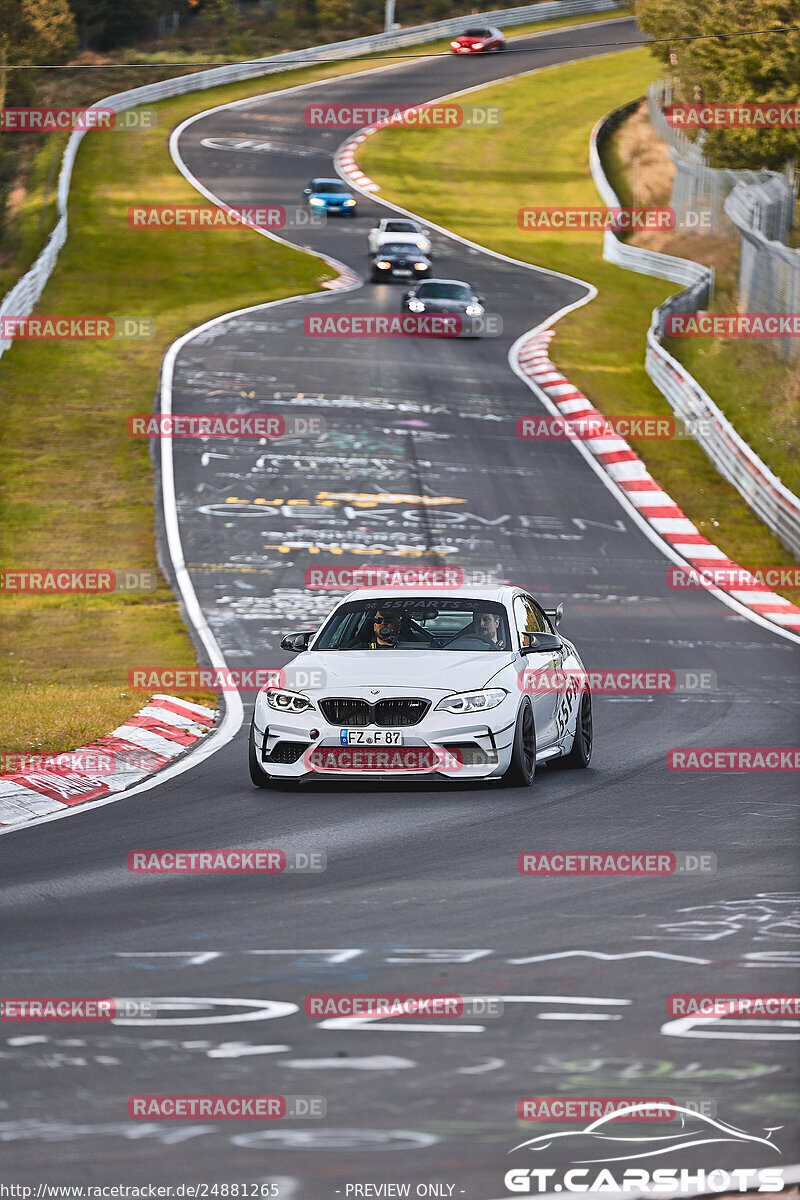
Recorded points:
(471, 702)
(474, 310)
(349, 202)
(416, 306)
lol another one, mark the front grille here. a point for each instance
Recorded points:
(286, 752)
(400, 711)
(346, 712)
(397, 711)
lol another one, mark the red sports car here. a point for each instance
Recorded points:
(478, 41)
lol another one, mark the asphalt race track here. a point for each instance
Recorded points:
(421, 892)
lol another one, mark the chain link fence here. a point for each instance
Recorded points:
(759, 205)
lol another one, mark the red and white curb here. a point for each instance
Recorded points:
(159, 733)
(631, 476)
(346, 279)
(345, 158)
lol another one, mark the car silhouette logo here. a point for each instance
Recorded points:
(374, 691)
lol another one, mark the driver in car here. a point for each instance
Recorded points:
(385, 631)
(487, 625)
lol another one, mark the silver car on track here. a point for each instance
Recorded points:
(466, 684)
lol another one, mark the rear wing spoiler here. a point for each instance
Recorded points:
(555, 614)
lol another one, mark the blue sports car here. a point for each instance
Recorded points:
(330, 195)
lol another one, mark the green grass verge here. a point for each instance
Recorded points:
(474, 183)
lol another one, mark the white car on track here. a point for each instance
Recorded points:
(398, 229)
(446, 683)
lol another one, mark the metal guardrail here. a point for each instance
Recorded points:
(778, 507)
(21, 299)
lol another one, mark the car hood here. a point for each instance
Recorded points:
(446, 306)
(332, 195)
(351, 672)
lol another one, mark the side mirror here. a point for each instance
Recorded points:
(407, 295)
(306, 191)
(555, 614)
(297, 641)
(481, 299)
(541, 643)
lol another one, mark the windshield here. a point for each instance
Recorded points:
(417, 623)
(399, 248)
(328, 185)
(444, 291)
(476, 33)
(400, 227)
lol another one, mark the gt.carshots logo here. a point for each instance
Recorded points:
(663, 1180)
(696, 1129)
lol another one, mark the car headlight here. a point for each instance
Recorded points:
(474, 310)
(420, 266)
(383, 264)
(349, 202)
(294, 702)
(455, 45)
(469, 702)
(416, 306)
(317, 201)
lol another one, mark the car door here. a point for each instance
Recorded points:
(548, 705)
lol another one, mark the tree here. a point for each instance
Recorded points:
(32, 31)
(741, 69)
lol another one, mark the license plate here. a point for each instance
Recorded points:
(370, 737)
(397, 271)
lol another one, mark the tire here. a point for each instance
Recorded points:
(257, 775)
(522, 768)
(581, 753)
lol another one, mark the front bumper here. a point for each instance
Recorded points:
(487, 738)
